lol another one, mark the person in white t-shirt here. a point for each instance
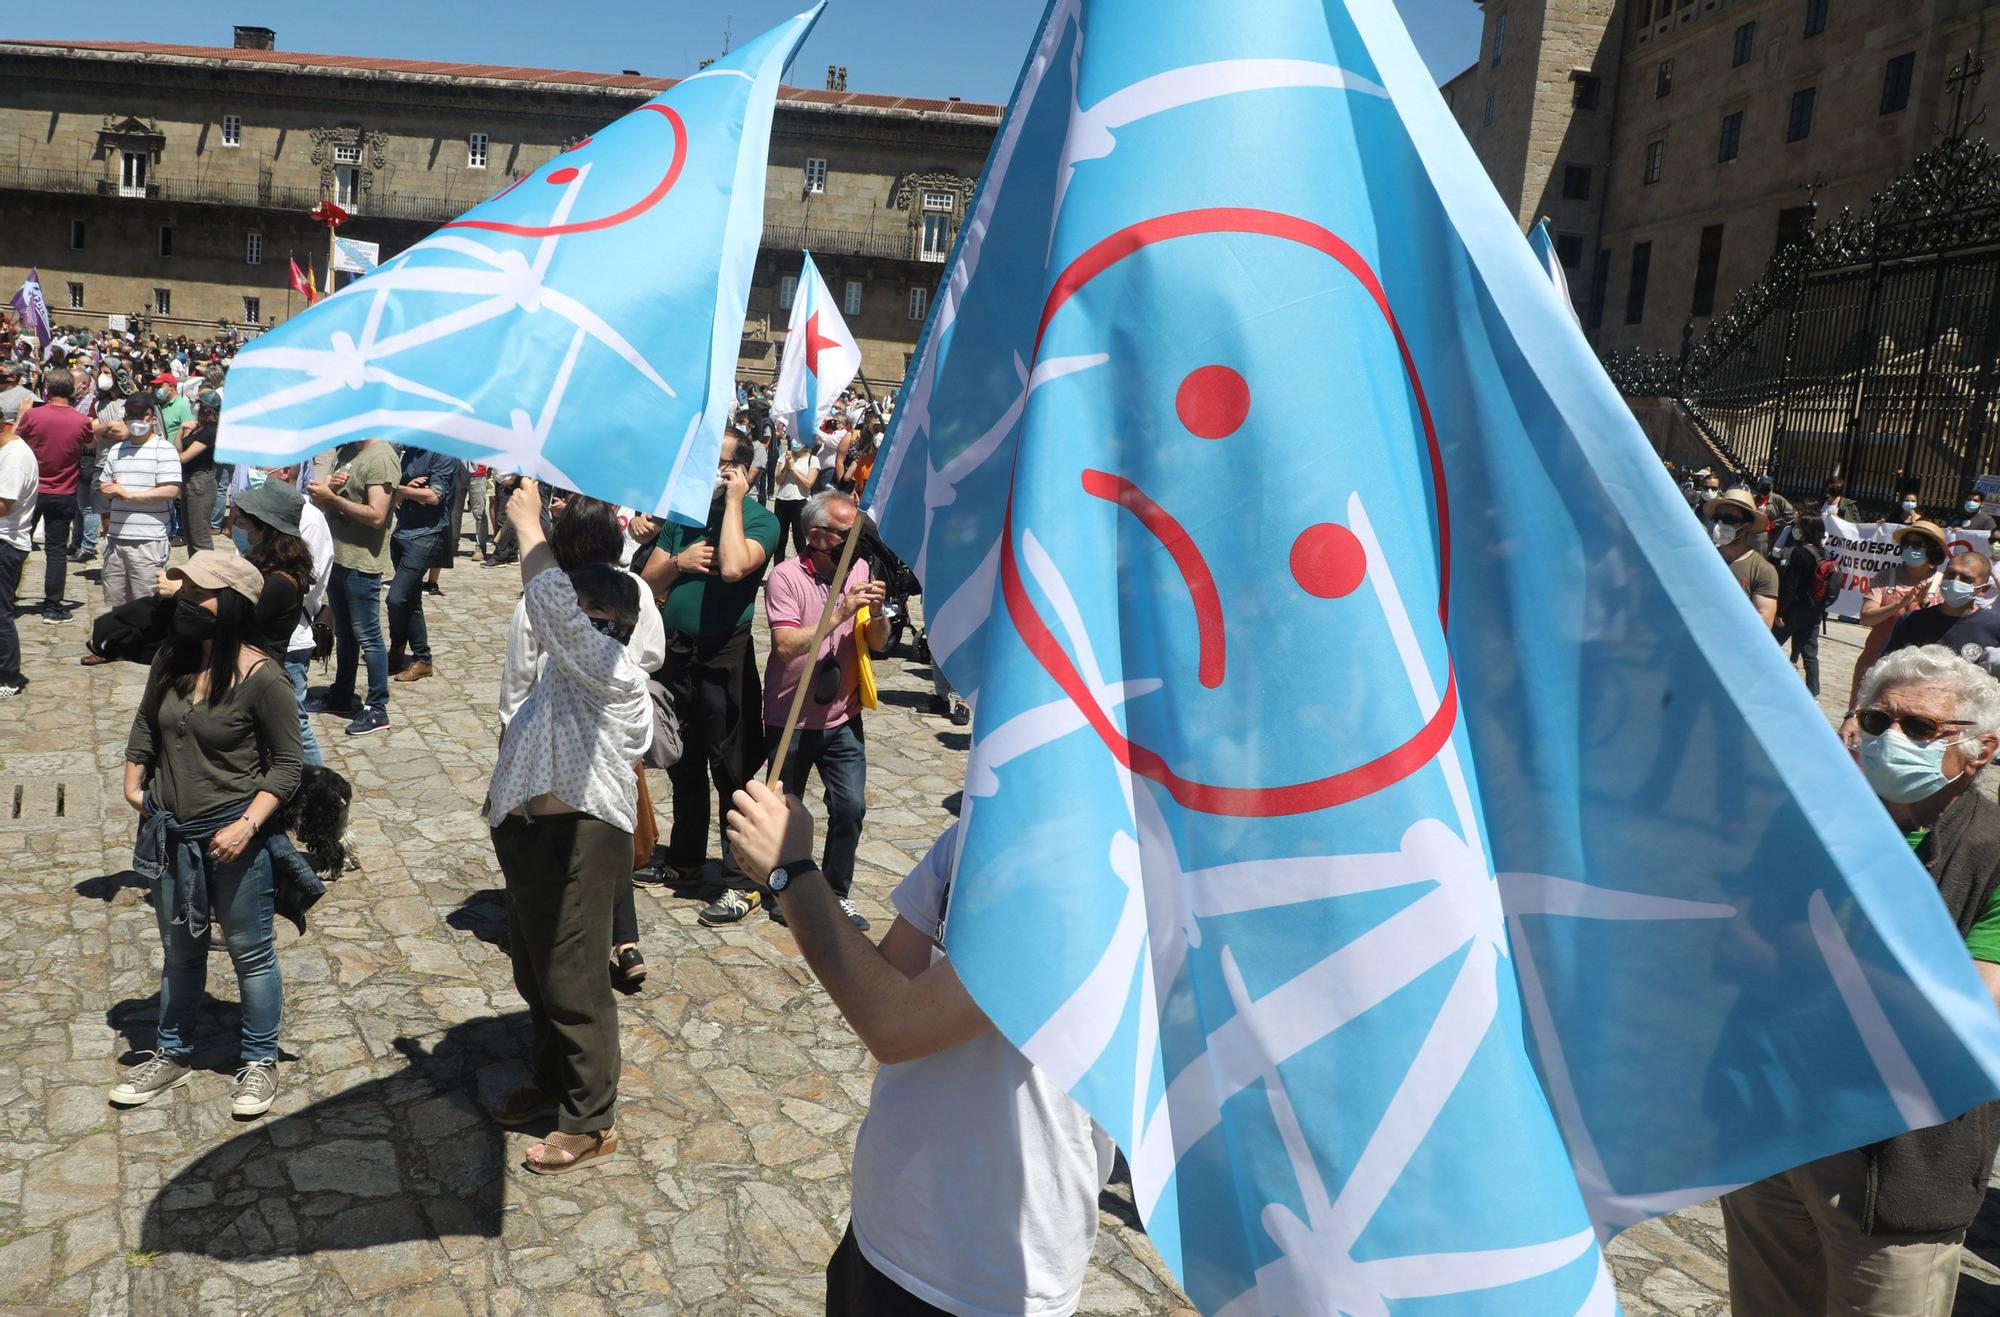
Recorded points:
(20, 478)
(975, 1176)
(139, 478)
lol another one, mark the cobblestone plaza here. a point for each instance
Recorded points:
(377, 1183)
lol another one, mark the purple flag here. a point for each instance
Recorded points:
(34, 311)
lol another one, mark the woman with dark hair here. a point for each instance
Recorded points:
(562, 806)
(213, 755)
(586, 533)
(287, 539)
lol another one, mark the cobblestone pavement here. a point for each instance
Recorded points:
(376, 1183)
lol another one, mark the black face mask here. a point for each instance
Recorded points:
(192, 621)
(608, 626)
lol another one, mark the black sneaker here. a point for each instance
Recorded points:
(860, 920)
(961, 713)
(731, 906)
(432, 587)
(369, 720)
(54, 613)
(83, 555)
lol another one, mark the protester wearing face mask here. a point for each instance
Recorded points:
(104, 406)
(1972, 513)
(1906, 508)
(1904, 588)
(1707, 489)
(1732, 521)
(176, 413)
(288, 540)
(1835, 503)
(139, 478)
(1955, 621)
(1880, 1229)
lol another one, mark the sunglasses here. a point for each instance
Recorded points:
(1734, 521)
(1918, 727)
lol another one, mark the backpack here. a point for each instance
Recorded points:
(1826, 580)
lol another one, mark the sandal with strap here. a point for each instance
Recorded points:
(628, 967)
(550, 1158)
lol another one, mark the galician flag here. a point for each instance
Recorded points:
(1544, 244)
(581, 325)
(34, 310)
(821, 356)
(1383, 813)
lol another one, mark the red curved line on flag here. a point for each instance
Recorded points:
(1180, 546)
(633, 211)
(1230, 219)
(1237, 802)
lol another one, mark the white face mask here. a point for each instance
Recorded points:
(1723, 533)
(104, 384)
(139, 429)
(1710, 495)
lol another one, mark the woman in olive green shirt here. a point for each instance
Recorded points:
(213, 754)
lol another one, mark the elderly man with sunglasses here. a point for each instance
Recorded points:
(1955, 621)
(1730, 518)
(1878, 1230)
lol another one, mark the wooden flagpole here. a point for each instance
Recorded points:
(812, 654)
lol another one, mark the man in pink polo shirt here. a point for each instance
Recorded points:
(829, 734)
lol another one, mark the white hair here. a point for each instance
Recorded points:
(1975, 694)
(814, 514)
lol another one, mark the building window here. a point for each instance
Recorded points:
(1499, 36)
(943, 201)
(164, 240)
(1732, 137)
(475, 151)
(1576, 183)
(1656, 154)
(1896, 82)
(1645, 12)
(1635, 289)
(1798, 126)
(815, 176)
(851, 303)
(1600, 279)
(1583, 91)
(1663, 79)
(253, 249)
(76, 297)
(1746, 42)
(76, 233)
(253, 310)
(163, 301)
(232, 130)
(788, 288)
(937, 238)
(347, 186)
(1569, 250)
(1792, 222)
(1488, 119)
(1706, 262)
(347, 153)
(131, 173)
(1815, 17)
(920, 302)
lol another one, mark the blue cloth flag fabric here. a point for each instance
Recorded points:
(582, 325)
(1383, 815)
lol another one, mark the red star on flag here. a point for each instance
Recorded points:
(815, 341)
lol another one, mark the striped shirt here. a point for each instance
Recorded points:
(138, 465)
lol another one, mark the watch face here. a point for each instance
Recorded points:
(779, 879)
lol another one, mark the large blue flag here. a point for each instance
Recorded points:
(1383, 814)
(582, 325)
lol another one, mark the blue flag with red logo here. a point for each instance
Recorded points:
(1384, 813)
(581, 325)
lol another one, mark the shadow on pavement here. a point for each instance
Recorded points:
(106, 886)
(409, 1156)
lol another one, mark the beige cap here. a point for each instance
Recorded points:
(1930, 529)
(1731, 498)
(212, 569)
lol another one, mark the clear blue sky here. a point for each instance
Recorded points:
(907, 47)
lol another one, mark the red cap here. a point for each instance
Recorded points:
(163, 377)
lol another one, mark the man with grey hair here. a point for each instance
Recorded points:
(829, 735)
(1878, 1230)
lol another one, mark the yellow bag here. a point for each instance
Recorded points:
(864, 671)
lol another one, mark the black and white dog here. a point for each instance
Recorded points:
(316, 818)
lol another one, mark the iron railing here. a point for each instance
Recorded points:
(897, 245)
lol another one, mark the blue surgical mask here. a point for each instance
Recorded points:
(1909, 505)
(1902, 771)
(1972, 505)
(242, 538)
(1956, 594)
(1915, 555)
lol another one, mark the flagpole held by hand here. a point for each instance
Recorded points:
(812, 656)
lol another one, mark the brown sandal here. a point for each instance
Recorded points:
(602, 1144)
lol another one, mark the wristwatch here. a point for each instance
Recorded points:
(781, 877)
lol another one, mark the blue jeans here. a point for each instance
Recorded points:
(240, 896)
(356, 598)
(841, 755)
(224, 474)
(413, 556)
(295, 667)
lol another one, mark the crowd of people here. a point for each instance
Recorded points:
(634, 645)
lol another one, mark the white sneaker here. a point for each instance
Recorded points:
(149, 1079)
(256, 1089)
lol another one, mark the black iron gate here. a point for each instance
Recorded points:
(1868, 348)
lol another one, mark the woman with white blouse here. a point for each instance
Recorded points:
(562, 806)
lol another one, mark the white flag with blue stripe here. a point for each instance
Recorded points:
(582, 325)
(1383, 813)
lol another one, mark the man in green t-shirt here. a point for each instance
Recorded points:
(1731, 518)
(357, 499)
(706, 578)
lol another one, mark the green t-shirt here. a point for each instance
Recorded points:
(355, 546)
(1984, 939)
(175, 415)
(709, 605)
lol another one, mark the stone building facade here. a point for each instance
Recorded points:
(170, 184)
(1671, 143)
